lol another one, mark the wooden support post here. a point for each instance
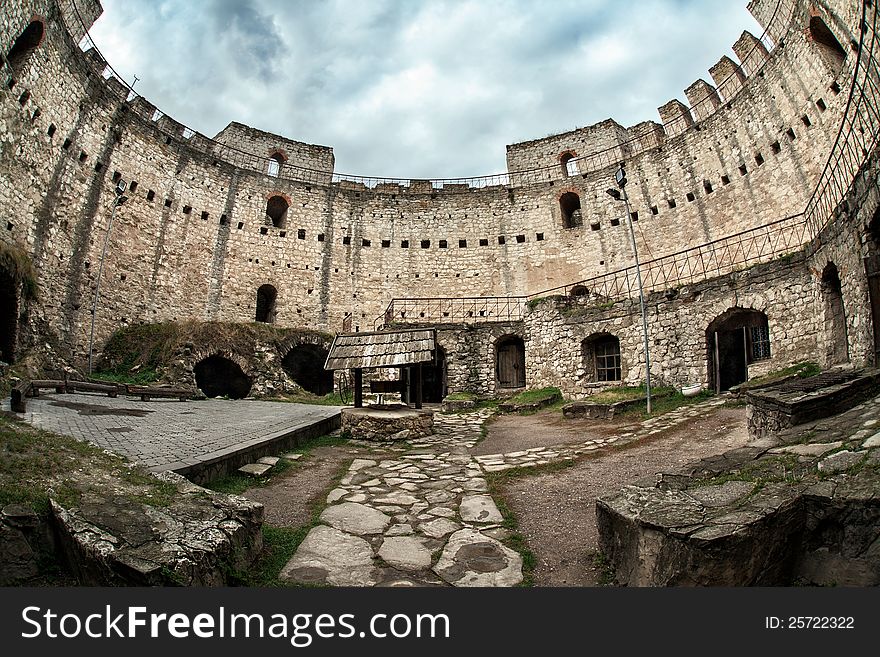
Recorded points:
(417, 386)
(358, 388)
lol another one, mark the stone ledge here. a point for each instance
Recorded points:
(778, 512)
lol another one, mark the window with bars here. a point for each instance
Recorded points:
(607, 355)
(760, 338)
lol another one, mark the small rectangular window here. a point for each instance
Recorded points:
(133, 186)
(806, 120)
(443, 244)
(655, 210)
(365, 242)
(759, 159)
(150, 194)
(539, 237)
(725, 180)
(615, 221)
(51, 130)
(484, 242)
(386, 244)
(83, 156)
(775, 147)
(501, 239)
(690, 197)
(520, 239)
(320, 237)
(760, 336)
(790, 134)
(462, 244)
(187, 209)
(98, 166)
(835, 88)
(426, 244)
(821, 105)
(301, 234)
(167, 202)
(743, 170)
(204, 216)
(404, 244)
(346, 239)
(671, 202)
(707, 187)
(66, 144)
(240, 225)
(634, 216)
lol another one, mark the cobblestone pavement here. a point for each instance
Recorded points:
(425, 517)
(158, 434)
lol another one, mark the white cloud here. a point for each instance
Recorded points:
(415, 89)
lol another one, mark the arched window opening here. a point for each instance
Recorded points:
(569, 164)
(836, 347)
(824, 38)
(305, 365)
(267, 296)
(570, 206)
(510, 362)
(734, 340)
(601, 358)
(8, 316)
(217, 376)
(24, 46)
(276, 210)
(274, 165)
(579, 291)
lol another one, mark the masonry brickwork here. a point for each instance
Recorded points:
(192, 240)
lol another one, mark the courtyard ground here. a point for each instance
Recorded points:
(553, 503)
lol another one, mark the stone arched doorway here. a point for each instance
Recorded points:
(267, 298)
(734, 340)
(8, 316)
(836, 348)
(217, 376)
(305, 365)
(434, 379)
(510, 362)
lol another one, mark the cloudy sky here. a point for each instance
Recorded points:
(410, 88)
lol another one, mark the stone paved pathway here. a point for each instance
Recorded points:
(425, 517)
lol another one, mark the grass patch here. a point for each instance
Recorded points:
(462, 396)
(665, 400)
(532, 396)
(236, 483)
(803, 370)
(602, 564)
(330, 399)
(515, 541)
(281, 543)
(623, 393)
(141, 378)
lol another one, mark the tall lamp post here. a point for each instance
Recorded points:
(119, 200)
(620, 195)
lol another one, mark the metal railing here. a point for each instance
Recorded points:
(465, 310)
(183, 136)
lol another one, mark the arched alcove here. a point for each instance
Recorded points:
(217, 376)
(305, 365)
(276, 210)
(832, 52)
(836, 348)
(8, 317)
(25, 45)
(570, 207)
(510, 362)
(569, 164)
(274, 164)
(267, 297)
(734, 340)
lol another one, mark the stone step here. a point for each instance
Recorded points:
(255, 469)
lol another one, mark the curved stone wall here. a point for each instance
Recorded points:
(192, 240)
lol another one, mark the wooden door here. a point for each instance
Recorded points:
(511, 364)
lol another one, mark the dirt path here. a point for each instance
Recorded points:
(289, 498)
(555, 511)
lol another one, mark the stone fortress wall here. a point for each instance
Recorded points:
(193, 240)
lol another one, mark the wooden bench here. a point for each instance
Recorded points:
(147, 393)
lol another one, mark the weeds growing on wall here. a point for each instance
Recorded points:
(18, 265)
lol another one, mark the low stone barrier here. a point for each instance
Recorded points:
(386, 425)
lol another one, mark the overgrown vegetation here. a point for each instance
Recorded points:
(280, 543)
(462, 396)
(237, 483)
(802, 370)
(34, 462)
(330, 399)
(137, 353)
(18, 265)
(539, 395)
